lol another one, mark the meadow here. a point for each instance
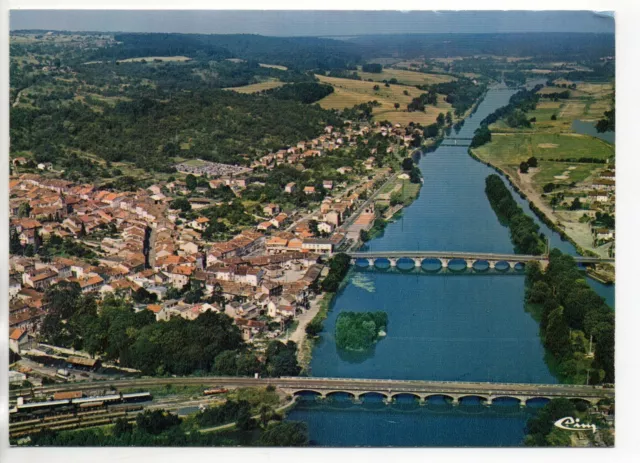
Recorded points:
(349, 93)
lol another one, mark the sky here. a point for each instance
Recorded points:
(312, 23)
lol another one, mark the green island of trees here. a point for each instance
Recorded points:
(571, 314)
(358, 331)
(525, 234)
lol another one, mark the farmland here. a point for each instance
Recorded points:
(406, 77)
(255, 88)
(349, 93)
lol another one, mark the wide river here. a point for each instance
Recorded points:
(465, 327)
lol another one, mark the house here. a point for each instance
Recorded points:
(290, 187)
(271, 209)
(41, 280)
(278, 220)
(200, 223)
(327, 184)
(17, 339)
(599, 196)
(250, 328)
(604, 234)
(309, 190)
(318, 245)
(264, 226)
(325, 227)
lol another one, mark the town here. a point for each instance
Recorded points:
(140, 246)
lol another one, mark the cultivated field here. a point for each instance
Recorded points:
(406, 77)
(254, 88)
(348, 93)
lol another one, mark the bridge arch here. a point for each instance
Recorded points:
(405, 263)
(401, 395)
(457, 265)
(506, 400)
(481, 265)
(373, 394)
(519, 266)
(382, 263)
(471, 398)
(536, 402)
(338, 394)
(361, 262)
(439, 399)
(502, 266)
(308, 393)
(431, 265)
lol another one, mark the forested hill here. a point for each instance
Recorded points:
(217, 125)
(580, 46)
(293, 52)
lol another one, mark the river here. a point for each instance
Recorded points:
(461, 327)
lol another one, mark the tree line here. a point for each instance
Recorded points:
(524, 231)
(571, 314)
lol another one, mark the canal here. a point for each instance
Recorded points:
(441, 326)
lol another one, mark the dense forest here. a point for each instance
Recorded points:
(338, 268)
(524, 231)
(293, 52)
(570, 313)
(210, 343)
(304, 92)
(216, 125)
(461, 93)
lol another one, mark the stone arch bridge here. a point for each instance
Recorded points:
(453, 391)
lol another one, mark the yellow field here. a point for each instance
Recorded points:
(348, 93)
(406, 77)
(274, 66)
(254, 88)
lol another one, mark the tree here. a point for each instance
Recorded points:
(225, 363)
(554, 117)
(286, 434)
(405, 93)
(122, 427)
(182, 204)
(557, 334)
(191, 181)
(576, 204)
(440, 120)
(449, 118)
(15, 246)
(532, 161)
(407, 164)
(396, 105)
(28, 250)
(524, 167)
(376, 88)
(314, 327)
(24, 210)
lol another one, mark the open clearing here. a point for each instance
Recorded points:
(348, 93)
(254, 88)
(406, 77)
(274, 66)
(151, 58)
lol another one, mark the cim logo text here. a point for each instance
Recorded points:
(570, 424)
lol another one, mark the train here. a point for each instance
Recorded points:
(66, 405)
(215, 390)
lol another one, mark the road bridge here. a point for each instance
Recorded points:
(357, 388)
(470, 259)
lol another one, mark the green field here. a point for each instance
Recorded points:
(518, 147)
(549, 171)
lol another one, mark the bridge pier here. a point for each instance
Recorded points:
(470, 264)
(393, 262)
(371, 262)
(455, 401)
(445, 263)
(417, 262)
(492, 264)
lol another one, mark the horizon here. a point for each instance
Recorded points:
(293, 23)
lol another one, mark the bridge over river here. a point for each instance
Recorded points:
(470, 259)
(453, 391)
